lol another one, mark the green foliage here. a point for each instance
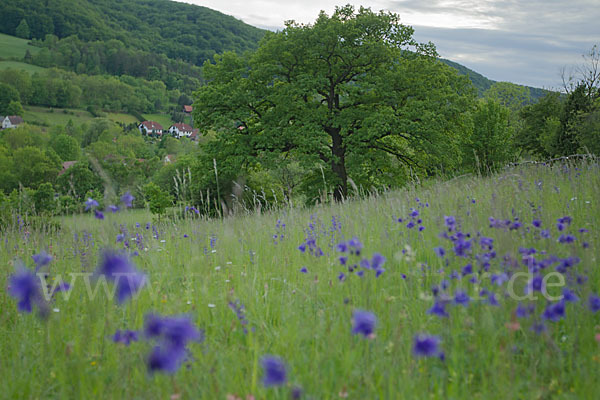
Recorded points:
(79, 180)
(337, 94)
(43, 198)
(491, 143)
(540, 126)
(66, 147)
(33, 166)
(8, 94)
(22, 30)
(158, 200)
(15, 108)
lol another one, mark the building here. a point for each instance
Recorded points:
(151, 128)
(180, 130)
(11, 121)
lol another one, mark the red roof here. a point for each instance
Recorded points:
(187, 109)
(182, 127)
(65, 166)
(152, 126)
(15, 119)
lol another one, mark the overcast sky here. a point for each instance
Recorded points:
(520, 41)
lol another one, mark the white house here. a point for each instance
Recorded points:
(150, 128)
(181, 130)
(11, 121)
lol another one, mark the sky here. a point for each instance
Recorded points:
(527, 42)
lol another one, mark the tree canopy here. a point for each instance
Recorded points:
(353, 94)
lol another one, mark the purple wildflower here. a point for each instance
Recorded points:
(304, 270)
(363, 322)
(426, 346)
(439, 309)
(98, 214)
(450, 222)
(566, 239)
(90, 203)
(554, 312)
(127, 199)
(113, 208)
(439, 251)
(342, 277)
(467, 270)
(569, 296)
(537, 223)
(41, 259)
(461, 298)
(125, 337)
(594, 303)
(274, 371)
(25, 286)
(118, 268)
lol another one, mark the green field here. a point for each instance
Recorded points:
(58, 116)
(20, 66)
(163, 119)
(297, 307)
(14, 48)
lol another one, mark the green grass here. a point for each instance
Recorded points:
(163, 119)
(306, 318)
(55, 116)
(15, 48)
(32, 69)
(58, 116)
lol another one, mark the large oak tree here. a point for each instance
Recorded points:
(352, 92)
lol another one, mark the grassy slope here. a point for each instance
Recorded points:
(163, 119)
(57, 116)
(306, 318)
(20, 66)
(14, 48)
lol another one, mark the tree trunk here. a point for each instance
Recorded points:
(338, 164)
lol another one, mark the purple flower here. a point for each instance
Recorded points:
(537, 223)
(545, 233)
(566, 220)
(461, 298)
(377, 261)
(569, 296)
(342, 277)
(342, 247)
(439, 309)
(120, 237)
(538, 327)
(302, 247)
(486, 242)
(411, 224)
(356, 246)
(450, 222)
(125, 337)
(439, 251)
(467, 270)
(523, 312)
(554, 312)
(304, 270)
(566, 239)
(426, 346)
(274, 371)
(378, 272)
(25, 286)
(363, 322)
(462, 247)
(90, 203)
(127, 199)
(536, 284)
(118, 268)
(98, 214)
(594, 303)
(41, 259)
(113, 208)
(499, 279)
(173, 335)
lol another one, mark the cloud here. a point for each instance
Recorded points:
(521, 41)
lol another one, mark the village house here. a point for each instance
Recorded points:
(11, 121)
(180, 130)
(150, 128)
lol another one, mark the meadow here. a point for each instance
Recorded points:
(481, 287)
(15, 48)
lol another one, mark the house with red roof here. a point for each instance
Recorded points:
(11, 121)
(151, 128)
(180, 130)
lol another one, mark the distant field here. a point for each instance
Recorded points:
(163, 119)
(44, 115)
(124, 118)
(13, 47)
(20, 66)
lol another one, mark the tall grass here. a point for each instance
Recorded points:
(306, 318)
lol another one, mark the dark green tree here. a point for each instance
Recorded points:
(7, 94)
(66, 147)
(540, 127)
(43, 198)
(78, 180)
(22, 30)
(350, 92)
(15, 108)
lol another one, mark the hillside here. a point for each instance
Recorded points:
(179, 31)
